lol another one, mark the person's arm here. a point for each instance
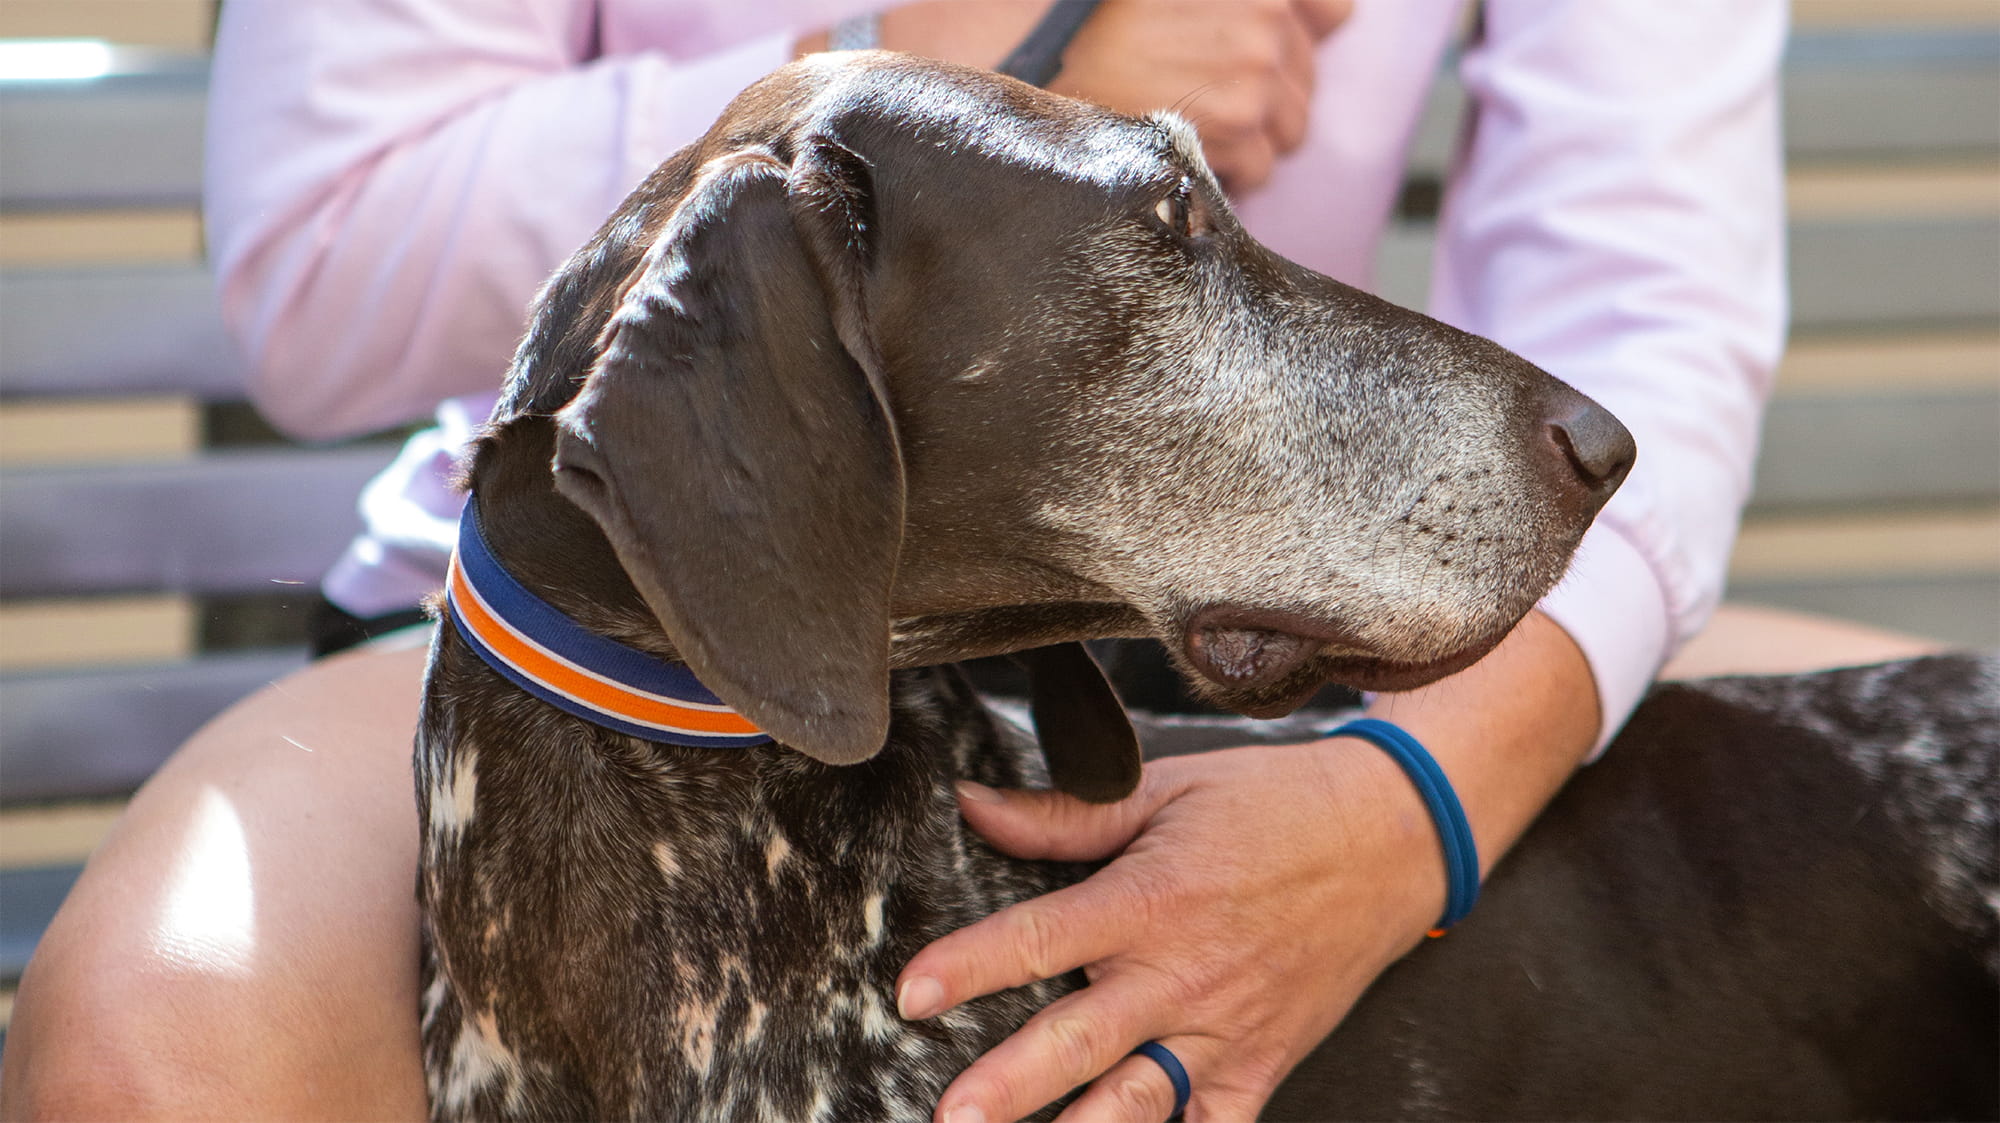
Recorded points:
(1617, 217)
(389, 182)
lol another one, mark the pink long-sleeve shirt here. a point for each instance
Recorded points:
(389, 181)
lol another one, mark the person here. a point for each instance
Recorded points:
(391, 180)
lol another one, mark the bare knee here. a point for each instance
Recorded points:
(112, 1022)
(243, 945)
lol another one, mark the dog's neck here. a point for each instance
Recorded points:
(550, 546)
(543, 651)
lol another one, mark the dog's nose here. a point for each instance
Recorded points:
(1595, 446)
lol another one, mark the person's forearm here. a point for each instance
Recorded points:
(1508, 732)
(389, 183)
(1631, 149)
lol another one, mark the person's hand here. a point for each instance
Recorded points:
(1258, 892)
(1241, 71)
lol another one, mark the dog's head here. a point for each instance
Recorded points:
(905, 363)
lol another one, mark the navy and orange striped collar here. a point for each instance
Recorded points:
(551, 656)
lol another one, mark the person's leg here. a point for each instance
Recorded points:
(1747, 639)
(244, 944)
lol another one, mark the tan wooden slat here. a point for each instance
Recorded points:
(95, 431)
(1894, 13)
(64, 834)
(109, 630)
(182, 25)
(6, 1008)
(124, 237)
(1869, 364)
(1900, 543)
(1940, 190)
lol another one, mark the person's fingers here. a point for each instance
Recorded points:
(1065, 1046)
(1289, 119)
(1052, 826)
(1040, 938)
(1243, 163)
(1322, 17)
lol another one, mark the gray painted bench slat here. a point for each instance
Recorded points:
(29, 899)
(94, 733)
(130, 330)
(1831, 450)
(123, 141)
(226, 522)
(1870, 273)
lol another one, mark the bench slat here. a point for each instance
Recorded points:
(1885, 273)
(1848, 95)
(1872, 273)
(118, 141)
(28, 901)
(226, 522)
(1848, 449)
(90, 734)
(73, 331)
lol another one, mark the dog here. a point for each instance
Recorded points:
(904, 364)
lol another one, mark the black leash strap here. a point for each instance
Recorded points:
(1039, 58)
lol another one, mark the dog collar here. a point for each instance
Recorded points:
(549, 655)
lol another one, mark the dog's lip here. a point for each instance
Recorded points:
(1270, 645)
(1387, 676)
(1319, 630)
(1251, 648)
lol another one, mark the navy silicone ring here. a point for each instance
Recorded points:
(1461, 857)
(1164, 1057)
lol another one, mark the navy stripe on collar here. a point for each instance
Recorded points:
(544, 652)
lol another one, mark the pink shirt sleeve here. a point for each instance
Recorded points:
(1618, 218)
(389, 181)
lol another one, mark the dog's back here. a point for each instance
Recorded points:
(1776, 897)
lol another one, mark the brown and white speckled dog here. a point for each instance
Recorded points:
(903, 364)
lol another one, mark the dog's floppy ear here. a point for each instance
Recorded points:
(1093, 753)
(734, 443)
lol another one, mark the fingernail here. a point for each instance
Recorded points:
(965, 1113)
(920, 998)
(977, 793)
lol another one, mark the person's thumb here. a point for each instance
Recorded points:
(1053, 826)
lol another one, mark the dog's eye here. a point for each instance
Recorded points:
(1176, 211)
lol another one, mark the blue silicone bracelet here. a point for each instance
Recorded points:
(1461, 857)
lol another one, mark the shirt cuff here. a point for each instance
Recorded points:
(1613, 607)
